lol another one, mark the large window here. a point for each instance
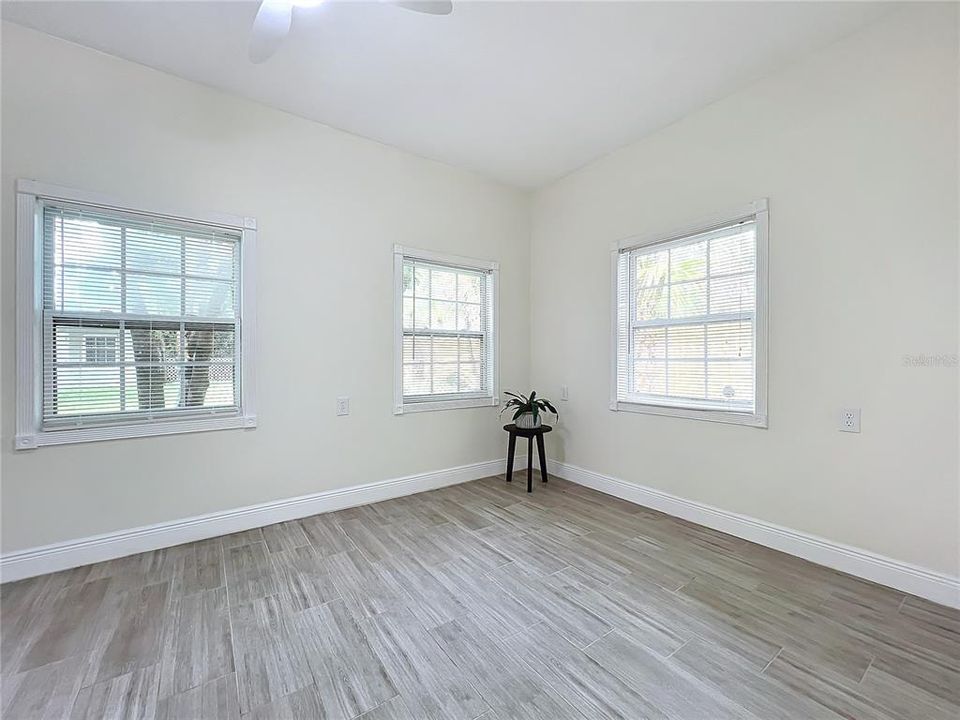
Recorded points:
(137, 322)
(690, 321)
(445, 331)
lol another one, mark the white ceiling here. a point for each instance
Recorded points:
(523, 92)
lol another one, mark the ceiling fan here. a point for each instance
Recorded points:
(274, 17)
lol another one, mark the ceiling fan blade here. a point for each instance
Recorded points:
(430, 7)
(270, 27)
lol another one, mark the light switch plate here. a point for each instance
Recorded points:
(343, 406)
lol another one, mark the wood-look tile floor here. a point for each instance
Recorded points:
(474, 601)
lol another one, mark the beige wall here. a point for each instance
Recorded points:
(857, 149)
(330, 206)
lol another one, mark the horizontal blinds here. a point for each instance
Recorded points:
(140, 316)
(686, 313)
(447, 325)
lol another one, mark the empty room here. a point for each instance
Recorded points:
(432, 360)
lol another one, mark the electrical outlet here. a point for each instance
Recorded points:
(343, 406)
(850, 420)
(564, 392)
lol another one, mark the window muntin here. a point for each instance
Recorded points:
(687, 323)
(140, 317)
(445, 332)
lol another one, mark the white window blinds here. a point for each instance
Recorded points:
(686, 321)
(141, 317)
(446, 332)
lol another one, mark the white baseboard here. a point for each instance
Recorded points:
(75, 553)
(929, 584)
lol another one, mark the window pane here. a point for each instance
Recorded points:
(688, 299)
(652, 303)
(731, 382)
(687, 379)
(421, 313)
(443, 315)
(153, 387)
(649, 343)
(733, 254)
(144, 343)
(468, 317)
(207, 385)
(730, 340)
(407, 280)
(443, 285)
(78, 289)
(153, 251)
(85, 390)
(416, 348)
(209, 298)
(421, 282)
(685, 341)
(651, 268)
(445, 349)
(471, 349)
(732, 294)
(470, 378)
(86, 242)
(688, 262)
(153, 295)
(444, 378)
(650, 377)
(211, 258)
(469, 288)
(416, 379)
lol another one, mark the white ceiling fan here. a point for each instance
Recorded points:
(274, 17)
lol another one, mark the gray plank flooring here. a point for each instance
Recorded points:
(474, 602)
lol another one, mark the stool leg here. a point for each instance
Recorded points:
(511, 448)
(530, 464)
(543, 458)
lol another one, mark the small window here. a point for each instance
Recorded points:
(445, 331)
(100, 349)
(690, 321)
(138, 320)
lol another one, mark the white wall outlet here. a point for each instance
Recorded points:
(850, 420)
(343, 406)
(564, 392)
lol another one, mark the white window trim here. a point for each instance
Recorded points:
(30, 433)
(755, 210)
(491, 399)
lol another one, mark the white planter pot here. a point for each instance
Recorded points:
(526, 422)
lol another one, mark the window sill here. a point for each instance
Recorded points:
(118, 432)
(429, 405)
(756, 420)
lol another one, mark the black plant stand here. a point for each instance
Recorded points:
(529, 434)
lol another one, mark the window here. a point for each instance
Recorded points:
(100, 349)
(689, 328)
(445, 331)
(131, 323)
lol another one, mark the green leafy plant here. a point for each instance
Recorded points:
(531, 404)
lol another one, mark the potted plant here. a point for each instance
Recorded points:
(528, 409)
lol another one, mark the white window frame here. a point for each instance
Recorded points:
(29, 293)
(487, 399)
(757, 211)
